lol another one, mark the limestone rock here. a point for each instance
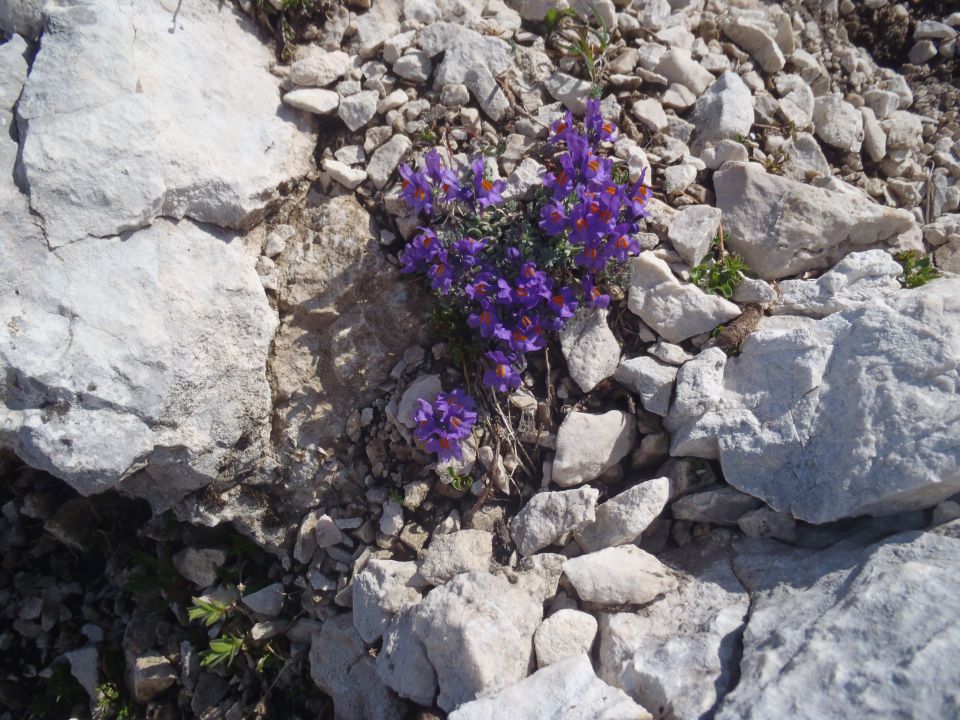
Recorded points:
(150, 675)
(859, 615)
(651, 379)
(458, 552)
(723, 112)
(782, 227)
(21, 17)
(838, 123)
(589, 347)
(753, 35)
(200, 565)
(386, 158)
(381, 590)
(678, 67)
(624, 517)
(341, 667)
(692, 233)
(675, 310)
(622, 575)
(569, 690)
(402, 662)
(113, 137)
(854, 280)
(828, 428)
(719, 505)
(587, 445)
(565, 634)
(478, 632)
(549, 517)
(680, 653)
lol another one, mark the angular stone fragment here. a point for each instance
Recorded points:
(719, 505)
(782, 227)
(381, 590)
(549, 517)
(692, 233)
(624, 517)
(563, 635)
(458, 552)
(569, 690)
(623, 575)
(838, 123)
(850, 415)
(650, 379)
(589, 347)
(587, 445)
(402, 663)
(723, 112)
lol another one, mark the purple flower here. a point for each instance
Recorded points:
(560, 182)
(562, 129)
(597, 128)
(526, 335)
(593, 296)
(597, 170)
(563, 303)
(421, 250)
(482, 287)
(501, 375)
(624, 245)
(415, 190)
(444, 179)
(486, 321)
(637, 196)
(487, 192)
(441, 426)
(441, 273)
(469, 248)
(553, 218)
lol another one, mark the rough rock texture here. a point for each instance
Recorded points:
(624, 575)
(589, 347)
(564, 634)
(723, 112)
(380, 591)
(674, 309)
(782, 227)
(651, 379)
(569, 690)
(719, 505)
(680, 653)
(852, 281)
(623, 518)
(853, 414)
(458, 552)
(478, 632)
(549, 517)
(692, 233)
(858, 616)
(132, 112)
(402, 662)
(347, 317)
(341, 667)
(589, 444)
(127, 361)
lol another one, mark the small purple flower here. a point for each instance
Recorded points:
(560, 182)
(441, 273)
(637, 196)
(482, 287)
(563, 303)
(597, 128)
(469, 248)
(624, 245)
(526, 335)
(501, 375)
(594, 297)
(553, 218)
(421, 250)
(441, 426)
(486, 321)
(487, 192)
(444, 179)
(415, 190)
(561, 130)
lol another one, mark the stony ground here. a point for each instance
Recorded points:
(212, 504)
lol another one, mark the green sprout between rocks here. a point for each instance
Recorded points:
(917, 269)
(459, 481)
(223, 649)
(575, 38)
(210, 612)
(719, 275)
(109, 701)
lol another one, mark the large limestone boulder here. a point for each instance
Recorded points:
(852, 631)
(858, 413)
(138, 110)
(782, 227)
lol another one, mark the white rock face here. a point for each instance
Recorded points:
(678, 67)
(724, 111)
(623, 518)
(478, 633)
(623, 575)
(565, 634)
(782, 227)
(568, 690)
(549, 517)
(858, 616)
(822, 418)
(319, 68)
(838, 123)
(380, 591)
(157, 364)
(589, 347)
(679, 652)
(458, 552)
(314, 100)
(752, 32)
(402, 663)
(692, 233)
(470, 59)
(341, 667)
(650, 379)
(718, 505)
(21, 17)
(854, 280)
(113, 136)
(587, 445)
(674, 309)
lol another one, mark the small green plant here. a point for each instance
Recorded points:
(223, 649)
(719, 276)
(579, 39)
(210, 612)
(917, 269)
(459, 481)
(395, 495)
(110, 701)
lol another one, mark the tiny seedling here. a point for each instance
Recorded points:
(719, 276)
(223, 649)
(459, 481)
(109, 700)
(917, 269)
(210, 612)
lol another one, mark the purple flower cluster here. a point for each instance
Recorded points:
(442, 425)
(594, 213)
(511, 302)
